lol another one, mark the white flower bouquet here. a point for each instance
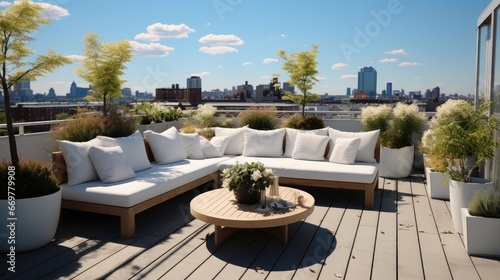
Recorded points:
(252, 176)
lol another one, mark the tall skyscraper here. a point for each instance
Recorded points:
(194, 82)
(348, 91)
(389, 89)
(367, 81)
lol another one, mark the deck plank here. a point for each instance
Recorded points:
(406, 235)
(385, 255)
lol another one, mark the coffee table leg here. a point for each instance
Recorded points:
(221, 233)
(283, 234)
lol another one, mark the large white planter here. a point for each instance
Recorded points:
(481, 235)
(396, 163)
(437, 187)
(36, 224)
(460, 196)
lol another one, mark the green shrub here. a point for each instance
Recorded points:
(86, 126)
(33, 178)
(485, 203)
(261, 118)
(205, 116)
(304, 122)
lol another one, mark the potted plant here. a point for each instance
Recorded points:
(436, 181)
(463, 140)
(247, 180)
(398, 127)
(31, 203)
(481, 222)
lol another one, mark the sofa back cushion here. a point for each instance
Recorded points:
(236, 139)
(133, 147)
(310, 146)
(291, 136)
(263, 143)
(78, 164)
(192, 145)
(345, 150)
(367, 146)
(167, 147)
(111, 164)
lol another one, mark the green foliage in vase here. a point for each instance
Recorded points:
(252, 176)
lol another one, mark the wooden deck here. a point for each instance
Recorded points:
(406, 236)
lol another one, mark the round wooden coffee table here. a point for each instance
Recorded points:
(219, 207)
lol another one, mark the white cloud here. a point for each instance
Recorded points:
(247, 63)
(416, 78)
(283, 36)
(4, 4)
(388, 60)
(75, 57)
(320, 78)
(52, 12)
(159, 30)
(267, 77)
(396, 52)
(151, 49)
(205, 73)
(221, 40)
(218, 50)
(270, 60)
(349, 76)
(338, 66)
(410, 64)
(220, 66)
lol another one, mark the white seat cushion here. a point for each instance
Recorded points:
(359, 172)
(147, 183)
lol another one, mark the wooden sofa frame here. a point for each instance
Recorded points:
(126, 214)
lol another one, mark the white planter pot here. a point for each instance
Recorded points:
(437, 187)
(36, 224)
(481, 235)
(460, 196)
(396, 163)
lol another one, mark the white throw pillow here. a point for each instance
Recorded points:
(263, 143)
(132, 146)
(345, 150)
(291, 136)
(111, 164)
(310, 146)
(220, 142)
(192, 145)
(167, 147)
(236, 139)
(79, 166)
(366, 150)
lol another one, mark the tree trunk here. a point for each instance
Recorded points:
(10, 128)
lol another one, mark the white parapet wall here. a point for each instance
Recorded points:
(30, 146)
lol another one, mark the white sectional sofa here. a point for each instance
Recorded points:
(125, 176)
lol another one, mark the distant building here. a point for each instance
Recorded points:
(288, 87)
(52, 93)
(193, 82)
(127, 92)
(348, 93)
(389, 89)
(176, 94)
(245, 91)
(77, 92)
(22, 90)
(367, 81)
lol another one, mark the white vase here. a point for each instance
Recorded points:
(460, 196)
(35, 224)
(481, 235)
(437, 187)
(396, 163)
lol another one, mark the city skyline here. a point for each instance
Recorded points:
(416, 45)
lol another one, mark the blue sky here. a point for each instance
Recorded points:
(415, 44)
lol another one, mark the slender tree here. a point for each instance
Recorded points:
(16, 24)
(102, 67)
(301, 66)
